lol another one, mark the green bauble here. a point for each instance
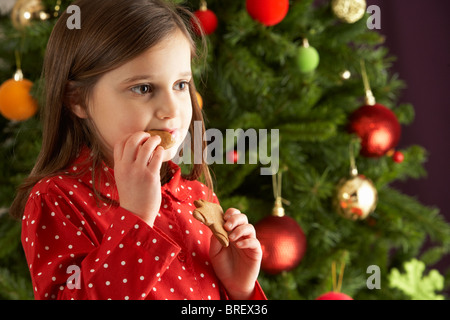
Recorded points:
(307, 59)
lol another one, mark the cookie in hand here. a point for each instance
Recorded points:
(167, 140)
(211, 214)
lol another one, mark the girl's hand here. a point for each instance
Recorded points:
(237, 266)
(137, 165)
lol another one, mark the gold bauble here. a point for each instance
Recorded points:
(349, 11)
(356, 197)
(25, 11)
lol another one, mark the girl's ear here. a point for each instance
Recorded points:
(73, 100)
(79, 111)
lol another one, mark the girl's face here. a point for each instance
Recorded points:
(147, 93)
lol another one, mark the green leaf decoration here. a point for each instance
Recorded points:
(414, 284)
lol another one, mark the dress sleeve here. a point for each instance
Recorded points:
(69, 260)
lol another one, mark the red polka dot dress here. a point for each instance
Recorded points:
(79, 247)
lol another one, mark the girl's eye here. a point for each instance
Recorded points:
(182, 85)
(141, 89)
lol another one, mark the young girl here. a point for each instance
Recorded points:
(105, 212)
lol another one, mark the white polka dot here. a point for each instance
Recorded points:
(107, 283)
(105, 265)
(124, 280)
(156, 258)
(123, 263)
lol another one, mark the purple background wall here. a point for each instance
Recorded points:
(418, 34)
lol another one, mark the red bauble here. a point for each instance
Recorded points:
(232, 156)
(268, 12)
(207, 21)
(378, 128)
(398, 157)
(283, 243)
(332, 295)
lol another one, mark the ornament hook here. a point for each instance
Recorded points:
(278, 209)
(370, 98)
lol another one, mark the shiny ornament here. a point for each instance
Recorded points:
(199, 100)
(206, 20)
(307, 58)
(25, 11)
(283, 243)
(356, 197)
(232, 156)
(16, 102)
(398, 157)
(334, 296)
(378, 128)
(268, 12)
(349, 11)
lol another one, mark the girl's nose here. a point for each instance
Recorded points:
(166, 107)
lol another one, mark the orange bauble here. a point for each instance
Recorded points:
(16, 102)
(199, 100)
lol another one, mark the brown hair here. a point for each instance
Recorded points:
(112, 33)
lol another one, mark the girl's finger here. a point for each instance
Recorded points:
(252, 244)
(230, 212)
(118, 149)
(132, 145)
(235, 220)
(146, 150)
(242, 231)
(156, 161)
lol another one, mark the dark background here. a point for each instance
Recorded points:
(418, 33)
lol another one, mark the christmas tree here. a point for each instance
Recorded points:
(298, 71)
